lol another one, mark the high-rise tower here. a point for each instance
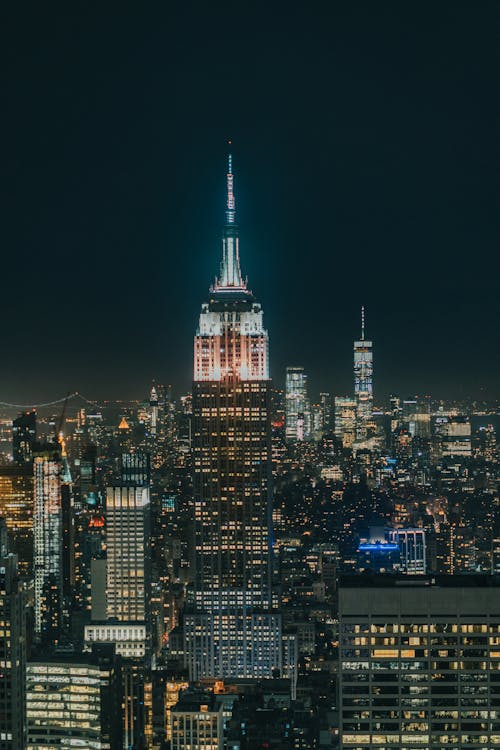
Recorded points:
(24, 437)
(363, 381)
(231, 628)
(13, 650)
(153, 403)
(296, 404)
(48, 543)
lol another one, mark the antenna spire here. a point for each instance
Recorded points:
(362, 323)
(230, 272)
(230, 204)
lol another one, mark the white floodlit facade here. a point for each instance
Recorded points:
(129, 638)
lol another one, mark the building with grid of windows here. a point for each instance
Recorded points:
(48, 543)
(412, 550)
(12, 655)
(419, 662)
(197, 721)
(75, 701)
(63, 705)
(16, 506)
(127, 569)
(296, 404)
(230, 626)
(363, 381)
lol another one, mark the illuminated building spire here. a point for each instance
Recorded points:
(230, 278)
(230, 206)
(362, 323)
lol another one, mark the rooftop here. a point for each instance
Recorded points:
(466, 580)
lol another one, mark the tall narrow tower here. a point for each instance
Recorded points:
(231, 629)
(296, 404)
(48, 544)
(363, 381)
(153, 403)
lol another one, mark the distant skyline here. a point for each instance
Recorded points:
(365, 158)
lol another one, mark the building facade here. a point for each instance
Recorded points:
(23, 438)
(12, 656)
(48, 543)
(230, 621)
(296, 404)
(75, 701)
(127, 576)
(412, 550)
(197, 722)
(16, 506)
(363, 381)
(419, 662)
(345, 420)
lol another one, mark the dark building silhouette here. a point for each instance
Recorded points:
(24, 437)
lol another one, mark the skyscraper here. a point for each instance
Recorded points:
(153, 403)
(23, 437)
(121, 583)
(230, 626)
(16, 506)
(48, 547)
(345, 420)
(74, 700)
(12, 655)
(419, 662)
(127, 579)
(363, 381)
(296, 404)
(412, 549)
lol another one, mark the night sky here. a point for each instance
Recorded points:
(366, 158)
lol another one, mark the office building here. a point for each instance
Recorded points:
(363, 382)
(12, 655)
(128, 554)
(326, 411)
(75, 701)
(230, 626)
(197, 722)
(136, 468)
(419, 662)
(153, 403)
(48, 544)
(296, 404)
(416, 416)
(24, 438)
(16, 506)
(412, 550)
(345, 420)
(455, 437)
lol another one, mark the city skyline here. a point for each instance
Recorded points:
(370, 195)
(249, 290)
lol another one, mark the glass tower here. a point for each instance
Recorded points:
(48, 547)
(363, 381)
(296, 404)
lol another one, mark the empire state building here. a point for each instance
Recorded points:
(232, 628)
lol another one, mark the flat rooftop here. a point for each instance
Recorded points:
(465, 580)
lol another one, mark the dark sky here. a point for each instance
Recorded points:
(366, 158)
